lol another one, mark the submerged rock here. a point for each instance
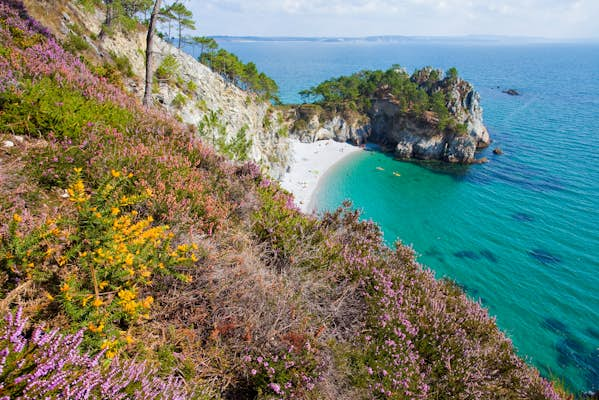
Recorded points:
(545, 257)
(498, 151)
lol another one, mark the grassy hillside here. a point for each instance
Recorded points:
(181, 274)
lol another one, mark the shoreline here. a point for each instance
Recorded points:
(310, 161)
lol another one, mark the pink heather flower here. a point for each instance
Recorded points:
(253, 372)
(275, 387)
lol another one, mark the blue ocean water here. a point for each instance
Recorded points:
(521, 233)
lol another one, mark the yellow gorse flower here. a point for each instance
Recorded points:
(96, 329)
(97, 302)
(147, 302)
(17, 218)
(115, 173)
(86, 299)
(76, 192)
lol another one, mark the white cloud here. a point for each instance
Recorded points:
(549, 18)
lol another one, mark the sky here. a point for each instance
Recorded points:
(537, 18)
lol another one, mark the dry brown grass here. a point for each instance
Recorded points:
(48, 13)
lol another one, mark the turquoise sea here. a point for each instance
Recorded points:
(521, 233)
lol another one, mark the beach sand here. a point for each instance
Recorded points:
(310, 161)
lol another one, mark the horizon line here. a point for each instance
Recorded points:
(433, 36)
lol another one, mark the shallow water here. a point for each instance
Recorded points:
(519, 233)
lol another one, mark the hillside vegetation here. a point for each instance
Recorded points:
(159, 269)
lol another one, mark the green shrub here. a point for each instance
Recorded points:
(266, 122)
(123, 64)
(215, 132)
(103, 258)
(179, 101)
(168, 68)
(75, 43)
(191, 87)
(45, 106)
(283, 131)
(201, 105)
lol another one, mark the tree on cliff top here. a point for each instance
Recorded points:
(184, 18)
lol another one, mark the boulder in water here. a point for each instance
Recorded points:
(512, 92)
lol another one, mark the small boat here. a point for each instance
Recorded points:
(396, 173)
(380, 168)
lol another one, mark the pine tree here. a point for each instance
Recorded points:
(183, 17)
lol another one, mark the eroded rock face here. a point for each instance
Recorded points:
(236, 108)
(336, 128)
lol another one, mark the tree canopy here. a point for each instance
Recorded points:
(244, 76)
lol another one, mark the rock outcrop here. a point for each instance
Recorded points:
(310, 123)
(420, 137)
(236, 108)
(406, 134)
(512, 92)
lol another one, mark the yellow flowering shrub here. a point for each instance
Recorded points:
(118, 254)
(105, 258)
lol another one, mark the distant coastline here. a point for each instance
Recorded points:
(473, 39)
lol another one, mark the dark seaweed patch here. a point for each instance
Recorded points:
(467, 254)
(523, 217)
(572, 352)
(555, 325)
(593, 332)
(545, 257)
(432, 252)
(488, 254)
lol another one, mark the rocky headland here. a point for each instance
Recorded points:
(430, 133)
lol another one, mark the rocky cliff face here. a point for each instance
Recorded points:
(420, 137)
(310, 123)
(191, 92)
(236, 108)
(407, 135)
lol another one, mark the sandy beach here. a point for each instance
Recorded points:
(309, 164)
